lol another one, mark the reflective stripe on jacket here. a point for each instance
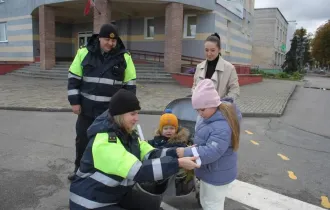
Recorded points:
(113, 162)
(93, 78)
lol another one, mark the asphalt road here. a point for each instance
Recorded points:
(37, 151)
(289, 155)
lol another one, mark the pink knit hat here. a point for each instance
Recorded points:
(205, 95)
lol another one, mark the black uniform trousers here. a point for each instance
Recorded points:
(133, 200)
(82, 124)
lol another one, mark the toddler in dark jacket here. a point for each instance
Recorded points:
(169, 134)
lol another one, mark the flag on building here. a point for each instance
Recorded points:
(89, 4)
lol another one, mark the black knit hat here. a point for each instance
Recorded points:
(122, 102)
(108, 31)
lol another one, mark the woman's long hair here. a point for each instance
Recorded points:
(119, 121)
(229, 112)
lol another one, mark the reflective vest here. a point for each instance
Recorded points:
(107, 171)
(93, 79)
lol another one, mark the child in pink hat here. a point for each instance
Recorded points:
(216, 144)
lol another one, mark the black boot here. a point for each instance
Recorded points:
(72, 175)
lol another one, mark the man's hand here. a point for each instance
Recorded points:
(76, 109)
(188, 163)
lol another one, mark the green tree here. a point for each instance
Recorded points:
(308, 59)
(321, 45)
(299, 53)
(302, 47)
(290, 64)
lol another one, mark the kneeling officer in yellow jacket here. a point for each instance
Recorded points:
(115, 159)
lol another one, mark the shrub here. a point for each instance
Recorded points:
(282, 75)
(297, 76)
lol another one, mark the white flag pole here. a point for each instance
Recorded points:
(140, 132)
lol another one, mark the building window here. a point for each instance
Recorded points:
(83, 38)
(278, 59)
(3, 32)
(244, 25)
(149, 27)
(190, 24)
(228, 36)
(248, 28)
(275, 63)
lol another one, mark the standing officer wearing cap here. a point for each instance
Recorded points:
(98, 71)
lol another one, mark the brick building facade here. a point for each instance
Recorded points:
(53, 30)
(269, 39)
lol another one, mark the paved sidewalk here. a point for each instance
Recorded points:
(268, 98)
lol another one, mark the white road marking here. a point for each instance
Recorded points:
(140, 132)
(167, 207)
(261, 198)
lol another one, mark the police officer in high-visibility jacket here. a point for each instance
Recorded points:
(98, 71)
(115, 159)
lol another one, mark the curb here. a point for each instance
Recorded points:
(287, 100)
(59, 109)
(261, 115)
(151, 112)
(317, 88)
(147, 112)
(38, 109)
(265, 115)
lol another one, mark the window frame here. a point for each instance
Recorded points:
(185, 26)
(146, 28)
(6, 32)
(228, 36)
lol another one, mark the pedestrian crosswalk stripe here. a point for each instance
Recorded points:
(262, 199)
(165, 206)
